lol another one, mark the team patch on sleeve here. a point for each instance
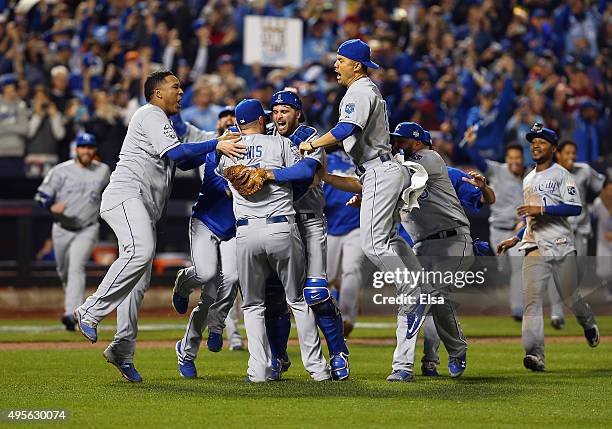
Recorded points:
(349, 108)
(169, 131)
(571, 190)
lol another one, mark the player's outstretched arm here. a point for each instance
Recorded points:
(478, 180)
(303, 170)
(226, 144)
(344, 183)
(511, 242)
(341, 131)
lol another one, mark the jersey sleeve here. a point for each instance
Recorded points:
(568, 190)
(596, 180)
(159, 131)
(317, 155)
(290, 153)
(355, 108)
(52, 183)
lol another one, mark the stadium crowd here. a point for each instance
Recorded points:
(488, 69)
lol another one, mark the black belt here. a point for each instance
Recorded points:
(75, 229)
(439, 235)
(382, 158)
(269, 220)
(305, 216)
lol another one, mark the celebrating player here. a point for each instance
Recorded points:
(550, 196)
(132, 204)
(363, 130)
(71, 191)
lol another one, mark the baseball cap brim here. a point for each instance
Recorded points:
(531, 135)
(398, 135)
(371, 64)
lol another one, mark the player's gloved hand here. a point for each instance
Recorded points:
(179, 125)
(506, 244)
(246, 180)
(228, 145)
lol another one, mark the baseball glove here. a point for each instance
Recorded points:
(246, 180)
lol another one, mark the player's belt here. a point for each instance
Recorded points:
(439, 235)
(302, 217)
(373, 162)
(72, 229)
(269, 220)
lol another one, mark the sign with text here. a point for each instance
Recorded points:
(275, 42)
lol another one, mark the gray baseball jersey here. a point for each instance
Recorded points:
(586, 179)
(551, 234)
(440, 208)
(313, 201)
(508, 194)
(363, 105)
(143, 171)
(267, 152)
(80, 188)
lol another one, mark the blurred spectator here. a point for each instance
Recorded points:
(590, 131)
(520, 124)
(203, 114)
(45, 131)
(577, 26)
(13, 119)
(59, 87)
(107, 125)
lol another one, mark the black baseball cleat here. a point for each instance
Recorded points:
(69, 322)
(533, 363)
(557, 323)
(592, 336)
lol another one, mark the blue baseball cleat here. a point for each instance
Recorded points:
(429, 369)
(88, 331)
(456, 365)
(277, 370)
(592, 336)
(186, 367)
(127, 369)
(399, 376)
(214, 342)
(179, 302)
(416, 318)
(339, 366)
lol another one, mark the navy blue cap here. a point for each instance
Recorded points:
(286, 97)
(226, 110)
(538, 131)
(249, 110)
(359, 51)
(86, 139)
(8, 79)
(412, 130)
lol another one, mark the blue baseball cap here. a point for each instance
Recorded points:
(249, 110)
(412, 130)
(539, 131)
(226, 110)
(356, 50)
(86, 139)
(8, 79)
(287, 98)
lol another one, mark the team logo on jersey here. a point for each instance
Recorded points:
(571, 190)
(169, 131)
(416, 157)
(424, 195)
(349, 108)
(561, 240)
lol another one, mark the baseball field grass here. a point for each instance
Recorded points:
(59, 370)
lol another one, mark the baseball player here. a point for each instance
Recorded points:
(212, 232)
(268, 241)
(309, 202)
(441, 234)
(550, 196)
(507, 180)
(363, 130)
(132, 204)
(71, 192)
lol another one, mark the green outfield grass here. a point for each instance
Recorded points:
(496, 391)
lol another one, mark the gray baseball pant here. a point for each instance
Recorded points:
(261, 249)
(72, 251)
(452, 254)
(537, 271)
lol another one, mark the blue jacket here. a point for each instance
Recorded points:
(341, 219)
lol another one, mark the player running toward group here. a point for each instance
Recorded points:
(550, 197)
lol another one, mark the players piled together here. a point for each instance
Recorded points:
(265, 226)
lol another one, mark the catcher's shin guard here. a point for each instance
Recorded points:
(327, 314)
(278, 321)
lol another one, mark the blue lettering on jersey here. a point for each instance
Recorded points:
(548, 186)
(253, 152)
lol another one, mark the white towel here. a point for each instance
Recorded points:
(418, 181)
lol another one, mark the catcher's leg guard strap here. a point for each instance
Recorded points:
(327, 314)
(278, 328)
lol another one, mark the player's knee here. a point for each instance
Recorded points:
(204, 274)
(316, 291)
(230, 278)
